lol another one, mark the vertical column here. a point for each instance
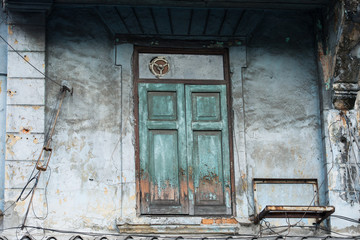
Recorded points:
(25, 110)
(343, 165)
(243, 179)
(340, 131)
(3, 75)
(124, 54)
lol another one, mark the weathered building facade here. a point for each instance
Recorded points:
(179, 118)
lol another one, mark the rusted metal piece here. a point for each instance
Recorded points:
(46, 148)
(286, 180)
(159, 66)
(38, 163)
(318, 212)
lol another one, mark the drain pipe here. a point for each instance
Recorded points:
(3, 91)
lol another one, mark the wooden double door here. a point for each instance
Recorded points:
(184, 149)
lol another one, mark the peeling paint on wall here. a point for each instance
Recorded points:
(93, 166)
(11, 140)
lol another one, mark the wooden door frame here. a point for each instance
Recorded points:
(226, 81)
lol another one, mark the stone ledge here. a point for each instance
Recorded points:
(178, 229)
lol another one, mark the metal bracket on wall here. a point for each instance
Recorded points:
(276, 210)
(318, 212)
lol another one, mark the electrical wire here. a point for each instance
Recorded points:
(267, 224)
(350, 145)
(34, 177)
(51, 119)
(46, 200)
(346, 218)
(316, 227)
(97, 234)
(327, 174)
(28, 62)
(31, 178)
(20, 198)
(320, 186)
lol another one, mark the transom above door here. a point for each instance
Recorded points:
(184, 164)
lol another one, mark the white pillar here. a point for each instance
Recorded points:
(25, 111)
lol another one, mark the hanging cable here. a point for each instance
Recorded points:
(28, 62)
(42, 167)
(346, 218)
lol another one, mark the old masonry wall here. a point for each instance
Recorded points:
(276, 111)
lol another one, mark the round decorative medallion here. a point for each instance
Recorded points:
(159, 66)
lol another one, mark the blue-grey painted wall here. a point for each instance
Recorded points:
(3, 71)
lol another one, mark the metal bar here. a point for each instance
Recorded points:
(300, 208)
(138, 20)
(318, 212)
(64, 89)
(122, 19)
(154, 20)
(223, 21)
(286, 180)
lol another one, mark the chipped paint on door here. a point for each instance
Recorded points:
(162, 153)
(208, 148)
(172, 139)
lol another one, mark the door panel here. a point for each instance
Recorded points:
(207, 159)
(184, 149)
(208, 149)
(206, 106)
(163, 167)
(162, 105)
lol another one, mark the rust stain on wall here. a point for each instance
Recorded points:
(26, 130)
(10, 93)
(10, 31)
(11, 140)
(209, 221)
(328, 65)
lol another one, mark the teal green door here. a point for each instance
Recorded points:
(208, 149)
(184, 149)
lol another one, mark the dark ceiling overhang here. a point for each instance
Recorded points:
(46, 5)
(210, 23)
